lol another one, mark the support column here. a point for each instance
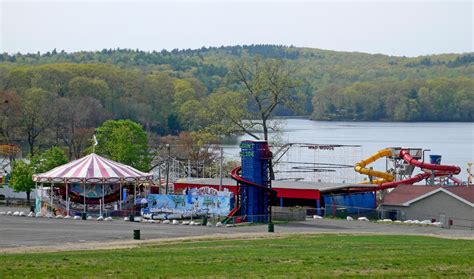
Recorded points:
(103, 200)
(51, 197)
(318, 207)
(220, 168)
(37, 199)
(134, 198)
(42, 197)
(84, 196)
(67, 199)
(120, 202)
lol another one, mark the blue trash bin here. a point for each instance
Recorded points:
(435, 159)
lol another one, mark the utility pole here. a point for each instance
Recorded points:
(167, 168)
(203, 169)
(159, 179)
(189, 168)
(220, 169)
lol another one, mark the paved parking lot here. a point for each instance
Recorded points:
(29, 232)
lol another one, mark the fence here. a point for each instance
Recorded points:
(7, 201)
(449, 221)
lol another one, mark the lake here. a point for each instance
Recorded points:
(454, 141)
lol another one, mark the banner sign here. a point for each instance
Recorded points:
(195, 201)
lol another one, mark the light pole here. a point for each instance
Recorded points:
(167, 167)
(220, 169)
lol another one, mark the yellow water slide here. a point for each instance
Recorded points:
(360, 167)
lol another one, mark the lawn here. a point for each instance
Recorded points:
(289, 256)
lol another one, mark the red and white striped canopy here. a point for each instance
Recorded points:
(93, 169)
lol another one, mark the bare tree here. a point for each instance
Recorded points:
(266, 85)
(10, 116)
(76, 120)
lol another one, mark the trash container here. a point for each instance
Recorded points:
(32, 208)
(271, 227)
(136, 234)
(84, 216)
(204, 220)
(435, 159)
(131, 218)
(341, 212)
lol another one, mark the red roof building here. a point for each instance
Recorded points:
(289, 192)
(404, 195)
(451, 205)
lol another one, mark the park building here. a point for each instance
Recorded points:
(451, 205)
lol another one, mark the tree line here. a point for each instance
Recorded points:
(440, 99)
(59, 98)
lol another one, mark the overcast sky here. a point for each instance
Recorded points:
(392, 27)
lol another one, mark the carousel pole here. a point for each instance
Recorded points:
(84, 195)
(42, 197)
(51, 197)
(103, 200)
(120, 203)
(134, 197)
(67, 199)
(36, 195)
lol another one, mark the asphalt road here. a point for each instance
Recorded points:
(26, 231)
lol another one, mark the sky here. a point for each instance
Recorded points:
(402, 28)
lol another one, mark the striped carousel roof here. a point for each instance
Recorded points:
(92, 168)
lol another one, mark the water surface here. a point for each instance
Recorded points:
(454, 141)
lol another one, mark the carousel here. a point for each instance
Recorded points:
(90, 185)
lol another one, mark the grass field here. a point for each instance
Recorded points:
(300, 255)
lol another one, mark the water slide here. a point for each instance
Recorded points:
(234, 174)
(360, 167)
(232, 213)
(441, 168)
(429, 169)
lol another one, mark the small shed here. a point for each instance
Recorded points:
(451, 205)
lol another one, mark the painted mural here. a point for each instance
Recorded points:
(192, 201)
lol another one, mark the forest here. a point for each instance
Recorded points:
(59, 98)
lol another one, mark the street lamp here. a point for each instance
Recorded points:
(167, 168)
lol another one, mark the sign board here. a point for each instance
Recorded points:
(196, 201)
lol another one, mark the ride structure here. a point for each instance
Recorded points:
(401, 163)
(255, 193)
(89, 184)
(360, 167)
(315, 162)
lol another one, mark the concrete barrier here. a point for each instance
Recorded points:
(288, 213)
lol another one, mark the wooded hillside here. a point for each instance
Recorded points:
(64, 96)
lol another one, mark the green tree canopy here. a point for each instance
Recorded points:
(22, 171)
(124, 141)
(21, 177)
(49, 159)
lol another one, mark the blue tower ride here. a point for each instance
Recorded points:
(256, 195)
